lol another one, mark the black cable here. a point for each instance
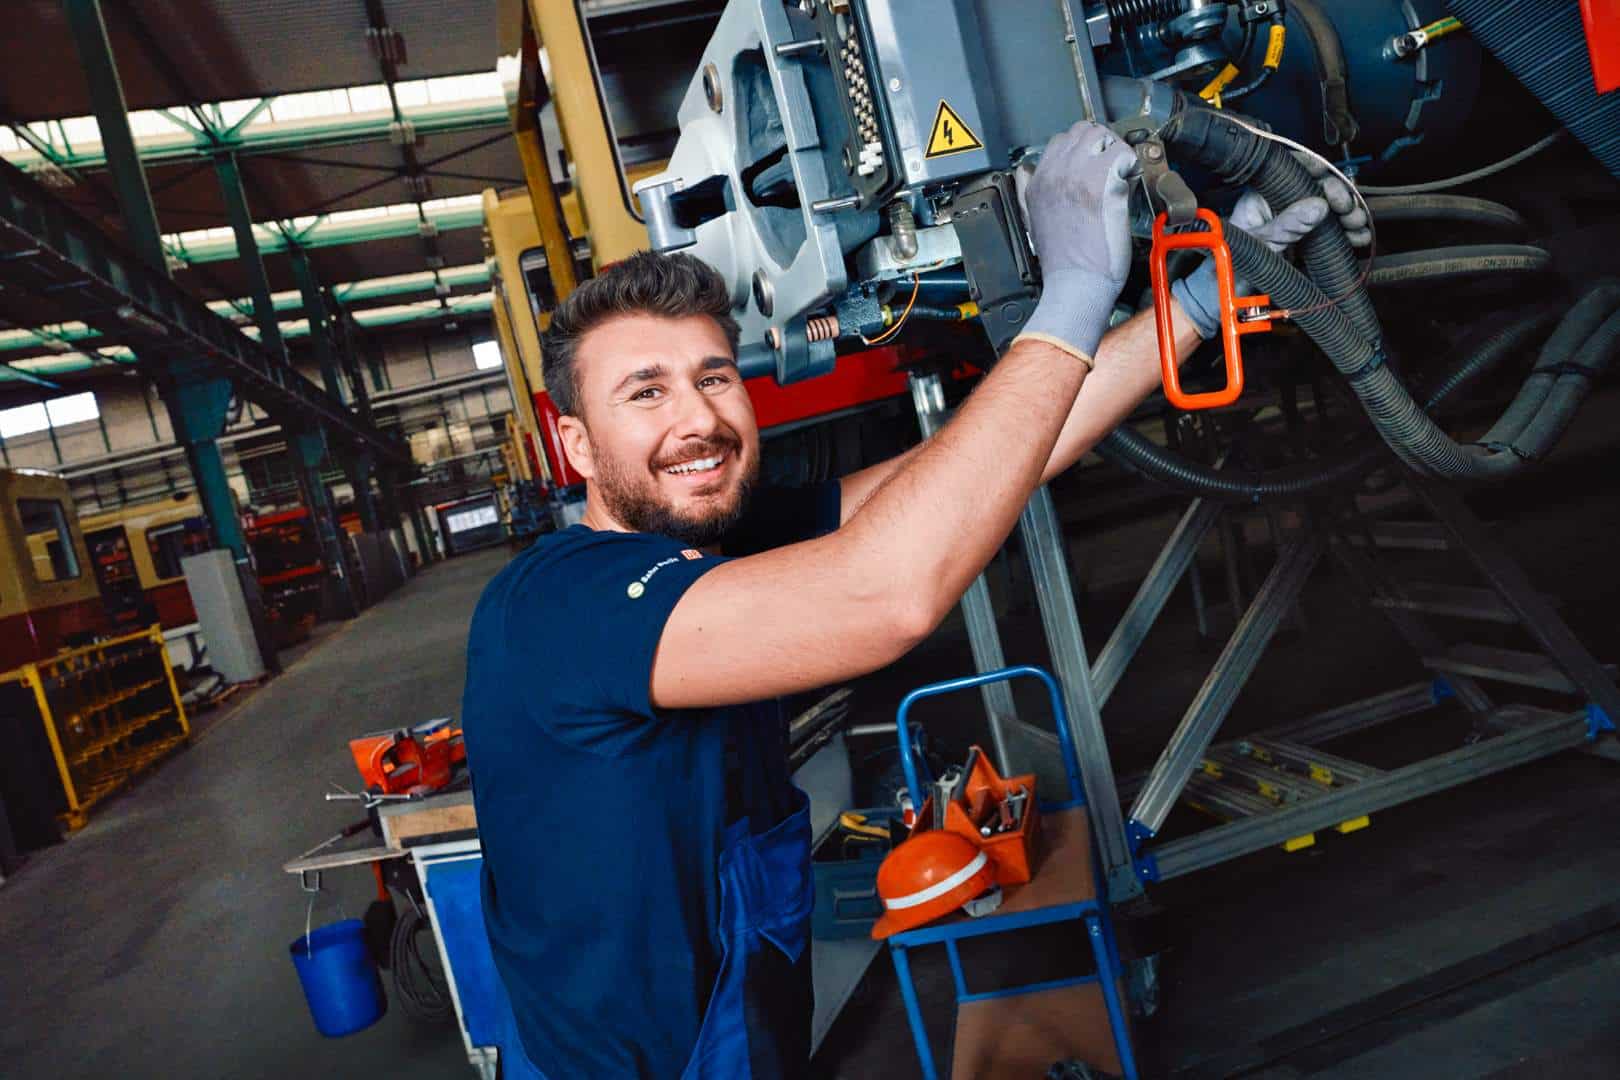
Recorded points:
(423, 992)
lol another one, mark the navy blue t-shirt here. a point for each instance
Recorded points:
(601, 816)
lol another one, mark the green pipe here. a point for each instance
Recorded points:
(305, 133)
(333, 233)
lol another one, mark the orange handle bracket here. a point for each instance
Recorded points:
(1235, 318)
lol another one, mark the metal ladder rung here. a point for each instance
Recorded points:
(1411, 535)
(1457, 601)
(1273, 784)
(1228, 803)
(1323, 768)
(1502, 665)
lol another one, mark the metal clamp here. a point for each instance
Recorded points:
(1239, 315)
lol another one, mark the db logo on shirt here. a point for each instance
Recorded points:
(635, 590)
(691, 553)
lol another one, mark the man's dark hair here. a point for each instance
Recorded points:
(648, 283)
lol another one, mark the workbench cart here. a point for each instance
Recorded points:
(1022, 1031)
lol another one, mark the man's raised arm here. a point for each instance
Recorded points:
(829, 609)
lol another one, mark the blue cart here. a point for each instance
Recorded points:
(1020, 1032)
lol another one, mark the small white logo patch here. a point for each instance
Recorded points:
(635, 590)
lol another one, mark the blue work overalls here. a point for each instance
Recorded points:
(766, 893)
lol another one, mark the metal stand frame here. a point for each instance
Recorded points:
(1285, 788)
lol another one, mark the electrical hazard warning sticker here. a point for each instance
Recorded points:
(950, 135)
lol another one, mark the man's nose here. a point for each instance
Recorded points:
(697, 417)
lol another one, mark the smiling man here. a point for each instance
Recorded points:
(647, 880)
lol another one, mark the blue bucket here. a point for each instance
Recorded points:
(340, 980)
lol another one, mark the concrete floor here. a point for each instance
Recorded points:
(154, 943)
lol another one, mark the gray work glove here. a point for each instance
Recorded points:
(1199, 293)
(1341, 200)
(1079, 224)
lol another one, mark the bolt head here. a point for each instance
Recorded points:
(1153, 152)
(894, 86)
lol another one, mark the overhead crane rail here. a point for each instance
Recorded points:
(66, 263)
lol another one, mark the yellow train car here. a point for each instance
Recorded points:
(136, 551)
(49, 597)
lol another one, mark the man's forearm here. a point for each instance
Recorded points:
(1127, 372)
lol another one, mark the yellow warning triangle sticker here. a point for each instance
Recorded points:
(950, 135)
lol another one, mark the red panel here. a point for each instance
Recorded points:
(35, 635)
(173, 604)
(1603, 41)
(534, 458)
(859, 378)
(562, 473)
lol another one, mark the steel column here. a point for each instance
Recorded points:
(358, 467)
(1215, 698)
(320, 328)
(1048, 563)
(309, 449)
(229, 172)
(928, 396)
(1174, 559)
(197, 404)
(112, 118)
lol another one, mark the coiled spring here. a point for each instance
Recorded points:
(821, 328)
(1134, 14)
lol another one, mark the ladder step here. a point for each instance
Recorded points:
(1320, 766)
(1272, 784)
(1204, 792)
(1228, 803)
(1458, 601)
(1411, 535)
(1502, 665)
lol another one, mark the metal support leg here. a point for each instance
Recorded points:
(908, 993)
(1174, 559)
(1237, 661)
(1043, 542)
(1107, 976)
(1508, 578)
(928, 395)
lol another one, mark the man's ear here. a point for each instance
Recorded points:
(577, 445)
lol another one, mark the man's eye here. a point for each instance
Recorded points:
(646, 393)
(710, 382)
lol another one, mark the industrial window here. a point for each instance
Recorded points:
(58, 413)
(171, 543)
(486, 354)
(50, 543)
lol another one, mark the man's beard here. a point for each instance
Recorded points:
(638, 507)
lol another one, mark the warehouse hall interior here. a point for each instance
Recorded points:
(1028, 539)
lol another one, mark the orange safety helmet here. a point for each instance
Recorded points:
(931, 875)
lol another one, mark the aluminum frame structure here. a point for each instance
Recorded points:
(1324, 790)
